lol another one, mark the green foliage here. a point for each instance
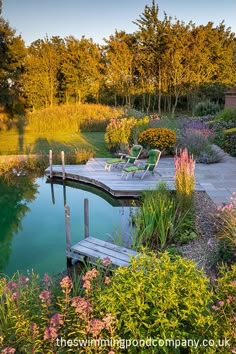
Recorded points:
(227, 115)
(225, 305)
(205, 108)
(229, 141)
(160, 221)
(158, 138)
(158, 297)
(118, 132)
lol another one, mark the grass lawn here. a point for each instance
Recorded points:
(11, 143)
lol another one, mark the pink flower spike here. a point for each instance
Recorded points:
(221, 303)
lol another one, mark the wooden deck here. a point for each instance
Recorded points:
(98, 249)
(94, 173)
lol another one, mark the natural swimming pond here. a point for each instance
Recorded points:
(32, 222)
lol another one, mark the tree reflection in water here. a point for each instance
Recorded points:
(15, 194)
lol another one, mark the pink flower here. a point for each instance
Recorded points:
(90, 274)
(215, 308)
(8, 350)
(23, 280)
(11, 285)
(107, 280)
(81, 305)
(106, 261)
(87, 284)
(15, 295)
(221, 303)
(66, 284)
(50, 334)
(108, 320)
(233, 350)
(111, 352)
(47, 280)
(56, 320)
(45, 296)
(95, 327)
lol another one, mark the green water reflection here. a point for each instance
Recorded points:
(32, 223)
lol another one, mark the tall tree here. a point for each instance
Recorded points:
(152, 42)
(82, 69)
(120, 64)
(12, 53)
(41, 73)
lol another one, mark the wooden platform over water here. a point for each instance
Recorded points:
(98, 249)
(94, 173)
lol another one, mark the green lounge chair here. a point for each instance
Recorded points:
(124, 158)
(152, 161)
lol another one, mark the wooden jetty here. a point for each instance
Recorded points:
(93, 248)
(94, 173)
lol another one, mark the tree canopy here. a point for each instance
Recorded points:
(164, 64)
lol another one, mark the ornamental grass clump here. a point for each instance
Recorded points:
(184, 178)
(226, 231)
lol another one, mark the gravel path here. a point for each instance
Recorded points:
(203, 250)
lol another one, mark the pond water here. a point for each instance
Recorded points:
(32, 222)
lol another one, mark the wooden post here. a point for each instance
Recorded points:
(52, 194)
(68, 242)
(63, 164)
(50, 162)
(86, 218)
(64, 193)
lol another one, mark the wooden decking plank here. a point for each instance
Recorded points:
(85, 251)
(111, 246)
(105, 249)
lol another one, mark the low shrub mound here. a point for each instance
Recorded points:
(158, 138)
(158, 297)
(229, 141)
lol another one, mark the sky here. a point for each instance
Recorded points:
(98, 19)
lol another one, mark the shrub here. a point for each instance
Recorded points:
(158, 138)
(226, 230)
(184, 178)
(227, 115)
(160, 220)
(229, 141)
(158, 297)
(206, 107)
(225, 306)
(34, 314)
(118, 132)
